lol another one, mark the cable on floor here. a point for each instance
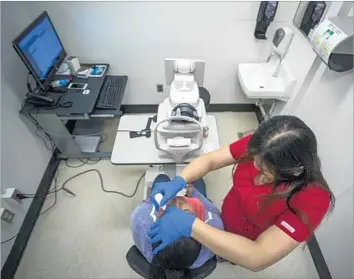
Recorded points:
(73, 194)
(87, 161)
(55, 194)
(46, 210)
(11, 238)
(102, 185)
(24, 196)
(103, 139)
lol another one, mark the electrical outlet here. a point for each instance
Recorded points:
(12, 193)
(159, 88)
(7, 215)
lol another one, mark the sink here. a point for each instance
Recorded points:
(258, 82)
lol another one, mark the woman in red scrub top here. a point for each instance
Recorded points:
(279, 196)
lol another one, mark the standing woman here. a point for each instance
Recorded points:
(279, 196)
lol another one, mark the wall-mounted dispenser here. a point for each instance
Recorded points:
(282, 40)
(312, 15)
(266, 14)
(332, 40)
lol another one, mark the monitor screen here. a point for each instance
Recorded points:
(40, 47)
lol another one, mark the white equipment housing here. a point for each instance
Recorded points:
(177, 134)
(282, 40)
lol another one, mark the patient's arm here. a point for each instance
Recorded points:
(212, 217)
(139, 223)
(208, 205)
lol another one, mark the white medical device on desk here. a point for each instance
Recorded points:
(182, 131)
(181, 118)
(184, 78)
(178, 139)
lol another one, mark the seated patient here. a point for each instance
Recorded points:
(178, 258)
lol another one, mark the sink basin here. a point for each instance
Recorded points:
(258, 82)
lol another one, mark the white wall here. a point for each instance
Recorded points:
(23, 156)
(299, 59)
(135, 37)
(327, 108)
(326, 105)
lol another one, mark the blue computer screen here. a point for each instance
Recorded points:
(42, 47)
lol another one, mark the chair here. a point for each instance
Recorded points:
(140, 265)
(205, 96)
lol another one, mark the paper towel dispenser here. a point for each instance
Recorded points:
(332, 40)
(312, 15)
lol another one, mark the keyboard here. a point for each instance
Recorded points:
(111, 93)
(53, 95)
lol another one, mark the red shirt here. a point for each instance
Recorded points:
(240, 212)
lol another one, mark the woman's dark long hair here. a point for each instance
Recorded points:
(174, 261)
(287, 147)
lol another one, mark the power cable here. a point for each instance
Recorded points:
(102, 185)
(88, 161)
(55, 194)
(56, 190)
(46, 210)
(11, 238)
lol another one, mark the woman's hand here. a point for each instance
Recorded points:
(168, 190)
(173, 224)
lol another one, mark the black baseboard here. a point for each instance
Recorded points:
(139, 108)
(210, 108)
(318, 259)
(231, 107)
(10, 266)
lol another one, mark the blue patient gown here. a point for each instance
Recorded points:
(141, 221)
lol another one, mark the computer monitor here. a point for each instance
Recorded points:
(40, 50)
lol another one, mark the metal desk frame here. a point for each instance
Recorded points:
(52, 123)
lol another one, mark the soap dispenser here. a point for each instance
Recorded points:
(266, 14)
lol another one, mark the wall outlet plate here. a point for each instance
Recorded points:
(159, 88)
(12, 193)
(7, 215)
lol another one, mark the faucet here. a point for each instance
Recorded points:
(275, 74)
(272, 54)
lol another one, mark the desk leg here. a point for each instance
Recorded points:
(60, 135)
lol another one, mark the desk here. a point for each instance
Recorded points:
(142, 151)
(83, 108)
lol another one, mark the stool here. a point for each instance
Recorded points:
(141, 266)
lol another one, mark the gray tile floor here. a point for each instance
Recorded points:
(87, 236)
